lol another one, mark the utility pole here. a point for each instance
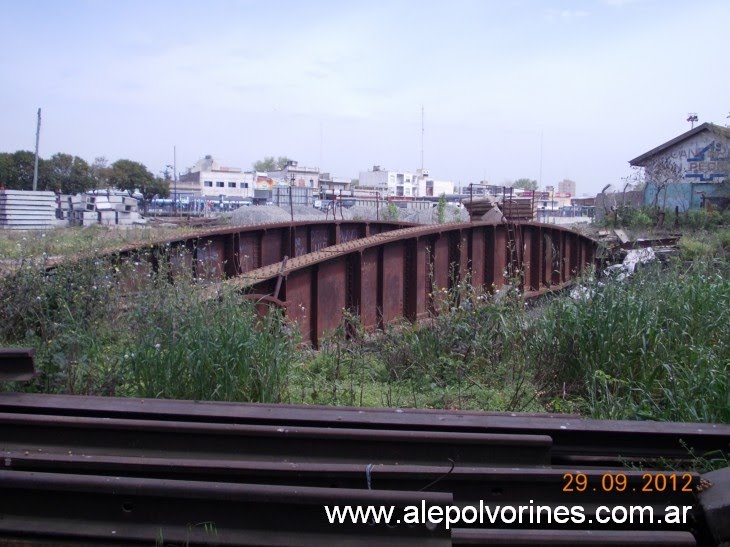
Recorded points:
(174, 178)
(37, 137)
(423, 130)
(539, 183)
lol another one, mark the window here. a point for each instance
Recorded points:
(231, 185)
(219, 184)
(244, 185)
(208, 184)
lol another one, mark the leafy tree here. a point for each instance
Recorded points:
(271, 164)
(20, 172)
(67, 174)
(160, 188)
(282, 161)
(266, 164)
(130, 175)
(6, 165)
(527, 184)
(100, 172)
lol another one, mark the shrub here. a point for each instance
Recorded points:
(186, 347)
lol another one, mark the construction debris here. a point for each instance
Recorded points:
(103, 209)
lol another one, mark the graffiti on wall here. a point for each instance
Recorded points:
(708, 164)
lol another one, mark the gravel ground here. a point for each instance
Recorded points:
(264, 214)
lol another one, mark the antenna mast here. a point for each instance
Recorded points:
(422, 133)
(37, 137)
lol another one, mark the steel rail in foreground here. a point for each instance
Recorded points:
(194, 440)
(468, 484)
(78, 468)
(577, 538)
(139, 511)
(575, 441)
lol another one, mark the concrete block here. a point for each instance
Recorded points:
(715, 503)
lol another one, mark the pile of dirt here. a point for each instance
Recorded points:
(266, 214)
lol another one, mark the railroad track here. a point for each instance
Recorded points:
(92, 470)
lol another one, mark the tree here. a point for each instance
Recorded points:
(6, 166)
(160, 188)
(664, 173)
(19, 175)
(100, 172)
(527, 184)
(271, 164)
(131, 175)
(66, 174)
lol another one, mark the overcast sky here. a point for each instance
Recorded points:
(547, 89)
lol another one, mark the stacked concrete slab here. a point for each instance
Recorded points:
(107, 210)
(26, 210)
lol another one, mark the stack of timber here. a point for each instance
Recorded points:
(478, 207)
(519, 209)
(103, 209)
(27, 210)
(510, 209)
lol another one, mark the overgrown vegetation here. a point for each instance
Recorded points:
(78, 240)
(651, 217)
(108, 328)
(656, 346)
(441, 210)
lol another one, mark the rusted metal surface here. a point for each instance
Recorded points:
(379, 271)
(139, 467)
(150, 438)
(468, 484)
(229, 251)
(577, 538)
(17, 364)
(393, 275)
(576, 440)
(147, 511)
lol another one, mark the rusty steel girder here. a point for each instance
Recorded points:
(398, 274)
(229, 251)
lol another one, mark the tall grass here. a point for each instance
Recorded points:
(189, 348)
(656, 347)
(68, 316)
(92, 335)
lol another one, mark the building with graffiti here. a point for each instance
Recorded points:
(690, 171)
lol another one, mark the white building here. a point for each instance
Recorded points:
(330, 184)
(428, 186)
(394, 183)
(207, 178)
